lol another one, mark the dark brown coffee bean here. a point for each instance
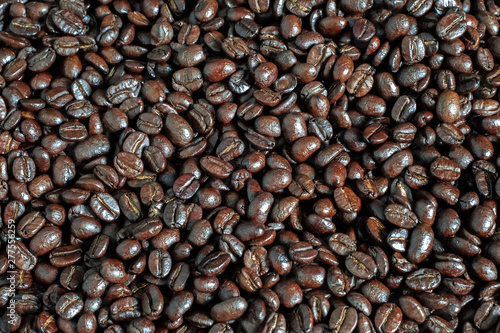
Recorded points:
(216, 167)
(178, 130)
(105, 206)
(448, 106)
(388, 317)
(343, 319)
(69, 305)
(342, 244)
(113, 271)
(214, 264)
(361, 265)
(445, 169)
(124, 309)
(421, 241)
(423, 279)
(24, 169)
(230, 309)
(289, 293)
(159, 263)
(347, 200)
(451, 26)
(400, 216)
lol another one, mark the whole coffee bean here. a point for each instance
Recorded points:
(94, 146)
(421, 242)
(45, 240)
(412, 49)
(216, 166)
(289, 293)
(482, 220)
(30, 224)
(85, 227)
(343, 68)
(448, 106)
(128, 165)
(214, 264)
(113, 271)
(451, 26)
(438, 323)
(310, 276)
(24, 259)
(412, 308)
(400, 216)
(388, 317)
(178, 129)
(279, 260)
(69, 305)
(152, 301)
(229, 310)
(124, 309)
(361, 265)
(24, 169)
(343, 319)
(302, 252)
(65, 255)
(423, 279)
(445, 169)
(347, 200)
(105, 206)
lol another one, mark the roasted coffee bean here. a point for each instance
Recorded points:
(125, 309)
(347, 200)
(128, 164)
(105, 206)
(289, 293)
(451, 26)
(361, 265)
(113, 271)
(229, 310)
(388, 317)
(302, 252)
(400, 216)
(214, 264)
(423, 279)
(69, 305)
(343, 319)
(421, 241)
(342, 244)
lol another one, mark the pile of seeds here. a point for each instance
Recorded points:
(251, 166)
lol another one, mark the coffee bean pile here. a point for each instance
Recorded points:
(253, 166)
